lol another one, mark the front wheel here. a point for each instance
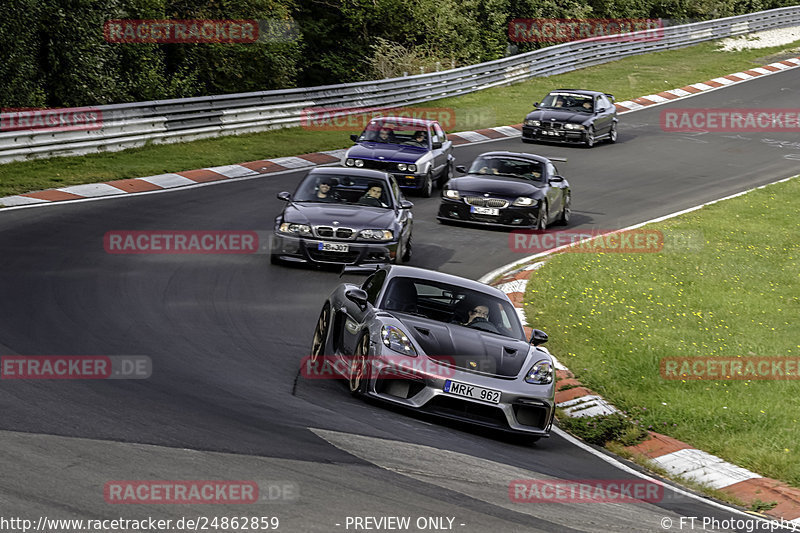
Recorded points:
(359, 367)
(541, 218)
(589, 137)
(612, 135)
(427, 186)
(407, 251)
(566, 213)
(447, 175)
(321, 334)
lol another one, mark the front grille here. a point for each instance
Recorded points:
(479, 201)
(380, 165)
(449, 406)
(552, 126)
(334, 233)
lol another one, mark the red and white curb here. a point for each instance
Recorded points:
(677, 458)
(254, 169)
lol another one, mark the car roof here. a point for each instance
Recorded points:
(433, 275)
(520, 155)
(407, 120)
(349, 171)
(584, 92)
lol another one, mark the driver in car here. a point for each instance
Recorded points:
(479, 319)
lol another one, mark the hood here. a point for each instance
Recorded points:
(468, 349)
(393, 153)
(478, 185)
(348, 216)
(577, 117)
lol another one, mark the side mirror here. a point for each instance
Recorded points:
(285, 196)
(462, 169)
(436, 145)
(405, 204)
(359, 297)
(537, 337)
(602, 110)
(536, 104)
(556, 179)
(354, 138)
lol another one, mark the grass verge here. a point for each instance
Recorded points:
(627, 78)
(613, 317)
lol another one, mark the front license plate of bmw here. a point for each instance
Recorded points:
(485, 210)
(332, 247)
(471, 391)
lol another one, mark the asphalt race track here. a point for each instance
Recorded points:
(226, 334)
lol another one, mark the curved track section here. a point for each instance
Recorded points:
(226, 334)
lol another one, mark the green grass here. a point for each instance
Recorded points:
(627, 78)
(613, 317)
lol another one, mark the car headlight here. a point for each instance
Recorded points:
(349, 162)
(533, 123)
(574, 127)
(412, 168)
(402, 167)
(452, 194)
(376, 234)
(541, 373)
(524, 201)
(296, 229)
(359, 163)
(395, 339)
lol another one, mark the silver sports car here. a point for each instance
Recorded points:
(437, 343)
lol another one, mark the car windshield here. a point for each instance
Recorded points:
(568, 102)
(343, 189)
(408, 132)
(452, 304)
(507, 167)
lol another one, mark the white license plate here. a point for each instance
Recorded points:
(485, 210)
(333, 247)
(472, 391)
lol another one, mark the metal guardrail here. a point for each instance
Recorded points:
(134, 124)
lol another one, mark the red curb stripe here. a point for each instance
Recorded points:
(134, 185)
(456, 140)
(492, 134)
(690, 89)
(516, 298)
(621, 107)
(319, 158)
(523, 274)
(771, 68)
(788, 63)
(752, 72)
(668, 95)
(733, 78)
(658, 445)
(516, 126)
(766, 490)
(52, 195)
(264, 166)
(202, 175)
(713, 83)
(564, 374)
(567, 382)
(571, 394)
(643, 101)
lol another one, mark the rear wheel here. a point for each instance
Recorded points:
(359, 367)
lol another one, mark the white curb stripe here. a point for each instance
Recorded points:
(779, 65)
(508, 131)
(723, 81)
(21, 200)
(471, 136)
(681, 92)
(232, 171)
(761, 70)
(338, 154)
(587, 406)
(167, 181)
(793, 60)
(703, 467)
(701, 86)
(92, 190)
(291, 162)
(518, 285)
(631, 105)
(656, 98)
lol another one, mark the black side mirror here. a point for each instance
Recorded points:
(538, 337)
(536, 104)
(556, 179)
(405, 204)
(436, 145)
(354, 138)
(462, 169)
(285, 196)
(602, 110)
(359, 297)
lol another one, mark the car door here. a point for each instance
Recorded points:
(604, 111)
(441, 155)
(555, 198)
(404, 216)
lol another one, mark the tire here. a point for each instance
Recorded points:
(447, 175)
(541, 219)
(612, 133)
(427, 187)
(590, 140)
(407, 251)
(275, 260)
(359, 367)
(320, 339)
(528, 141)
(566, 212)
